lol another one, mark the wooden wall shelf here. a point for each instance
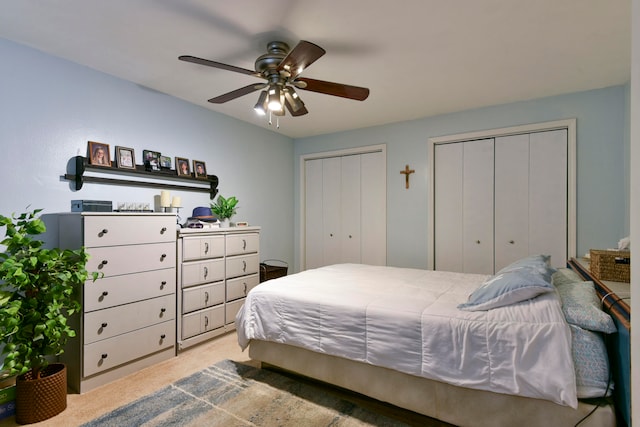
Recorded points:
(187, 183)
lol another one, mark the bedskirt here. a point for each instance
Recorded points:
(456, 405)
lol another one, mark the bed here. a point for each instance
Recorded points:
(463, 348)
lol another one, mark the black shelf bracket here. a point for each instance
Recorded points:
(187, 183)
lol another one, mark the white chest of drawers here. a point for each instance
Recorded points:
(128, 317)
(216, 269)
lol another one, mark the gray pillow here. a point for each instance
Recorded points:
(582, 307)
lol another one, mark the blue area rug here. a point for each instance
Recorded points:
(233, 394)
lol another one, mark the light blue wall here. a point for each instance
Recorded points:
(50, 108)
(602, 177)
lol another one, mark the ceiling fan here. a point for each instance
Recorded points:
(281, 68)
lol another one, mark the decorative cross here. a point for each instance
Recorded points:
(406, 172)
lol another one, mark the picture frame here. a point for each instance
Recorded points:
(99, 154)
(165, 162)
(125, 158)
(151, 160)
(182, 166)
(199, 169)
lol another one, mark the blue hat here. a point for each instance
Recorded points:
(202, 212)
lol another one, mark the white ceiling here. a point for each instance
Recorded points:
(419, 57)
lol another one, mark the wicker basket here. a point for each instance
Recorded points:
(269, 271)
(41, 399)
(611, 265)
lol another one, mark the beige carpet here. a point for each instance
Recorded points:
(85, 407)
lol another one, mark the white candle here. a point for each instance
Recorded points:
(165, 199)
(176, 202)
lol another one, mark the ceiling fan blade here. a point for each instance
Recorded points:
(299, 112)
(237, 93)
(220, 65)
(300, 57)
(330, 88)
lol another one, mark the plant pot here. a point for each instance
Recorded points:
(224, 223)
(43, 398)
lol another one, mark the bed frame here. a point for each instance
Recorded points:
(452, 404)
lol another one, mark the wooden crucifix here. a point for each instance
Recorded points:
(406, 172)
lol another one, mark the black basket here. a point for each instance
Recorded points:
(269, 271)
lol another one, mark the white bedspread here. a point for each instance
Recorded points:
(407, 320)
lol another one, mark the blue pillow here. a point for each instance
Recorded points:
(506, 288)
(539, 263)
(591, 363)
(581, 307)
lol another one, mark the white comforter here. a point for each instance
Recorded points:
(407, 320)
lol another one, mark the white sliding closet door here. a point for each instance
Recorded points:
(512, 199)
(477, 210)
(464, 207)
(345, 210)
(548, 195)
(448, 178)
(313, 207)
(331, 210)
(499, 200)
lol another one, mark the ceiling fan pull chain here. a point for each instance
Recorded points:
(277, 122)
(269, 117)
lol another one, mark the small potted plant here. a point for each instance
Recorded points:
(38, 294)
(224, 209)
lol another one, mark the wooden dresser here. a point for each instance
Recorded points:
(128, 318)
(615, 297)
(216, 269)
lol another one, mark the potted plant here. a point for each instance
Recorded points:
(224, 209)
(37, 296)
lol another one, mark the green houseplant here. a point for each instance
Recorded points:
(224, 208)
(37, 295)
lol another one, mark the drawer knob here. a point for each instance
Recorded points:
(206, 272)
(244, 266)
(244, 244)
(105, 293)
(206, 248)
(104, 325)
(511, 242)
(163, 230)
(163, 284)
(245, 287)
(104, 356)
(104, 262)
(163, 336)
(163, 256)
(477, 242)
(103, 232)
(162, 310)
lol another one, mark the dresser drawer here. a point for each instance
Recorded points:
(109, 353)
(196, 272)
(238, 244)
(239, 287)
(114, 261)
(115, 230)
(202, 247)
(117, 290)
(242, 265)
(202, 321)
(197, 297)
(231, 310)
(103, 324)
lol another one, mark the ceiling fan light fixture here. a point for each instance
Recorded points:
(261, 105)
(275, 99)
(293, 99)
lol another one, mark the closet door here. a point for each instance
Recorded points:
(477, 207)
(548, 155)
(373, 209)
(350, 209)
(314, 253)
(512, 199)
(448, 204)
(345, 210)
(531, 197)
(331, 210)
(464, 207)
